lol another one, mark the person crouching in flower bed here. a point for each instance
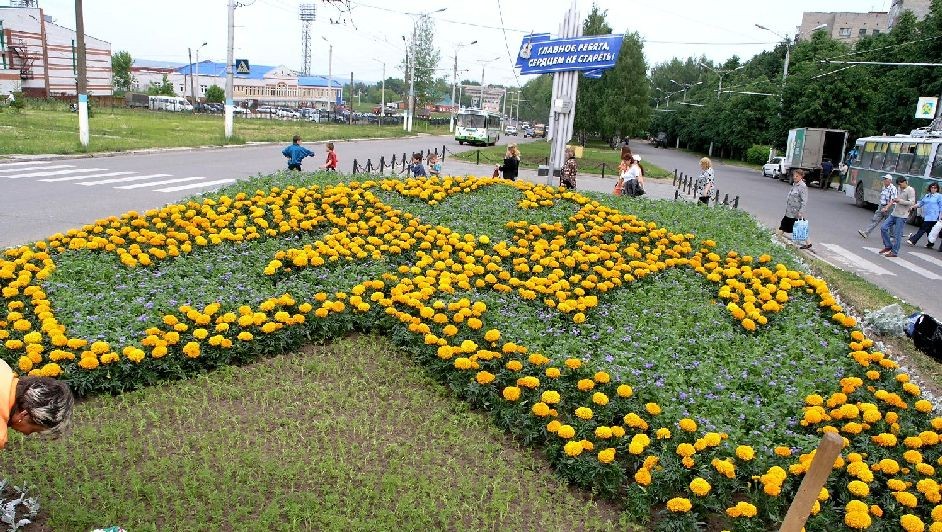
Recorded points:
(33, 404)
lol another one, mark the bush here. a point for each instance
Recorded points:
(18, 102)
(758, 154)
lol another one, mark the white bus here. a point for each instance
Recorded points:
(169, 103)
(918, 156)
(475, 126)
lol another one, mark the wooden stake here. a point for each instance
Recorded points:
(815, 477)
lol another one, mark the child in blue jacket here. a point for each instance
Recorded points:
(296, 153)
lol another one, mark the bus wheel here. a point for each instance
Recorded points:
(859, 196)
(461, 143)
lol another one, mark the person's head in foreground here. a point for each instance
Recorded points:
(35, 405)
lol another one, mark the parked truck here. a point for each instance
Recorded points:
(808, 146)
(136, 99)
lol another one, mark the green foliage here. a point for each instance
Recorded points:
(536, 94)
(215, 94)
(758, 154)
(18, 102)
(164, 88)
(121, 70)
(426, 58)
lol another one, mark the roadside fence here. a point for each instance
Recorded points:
(684, 187)
(394, 164)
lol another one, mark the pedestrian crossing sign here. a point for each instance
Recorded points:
(242, 66)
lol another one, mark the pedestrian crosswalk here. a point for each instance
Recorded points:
(63, 173)
(911, 262)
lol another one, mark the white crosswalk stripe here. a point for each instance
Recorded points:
(856, 262)
(910, 266)
(932, 257)
(121, 179)
(31, 168)
(158, 183)
(57, 172)
(197, 185)
(22, 163)
(83, 176)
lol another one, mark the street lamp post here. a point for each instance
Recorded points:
(330, 75)
(788, 48)
(194, 73)
(454, 86)
(720, 74)
(484, 62)
(382, 95)
(685, 86)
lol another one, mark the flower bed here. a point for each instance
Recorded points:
(681, 391)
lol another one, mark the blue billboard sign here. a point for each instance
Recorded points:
(592, 54)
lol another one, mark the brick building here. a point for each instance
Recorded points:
(845, 26)
(38, 56)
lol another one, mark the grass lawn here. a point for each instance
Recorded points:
(350, 436)
(53, 129)
(533, 154)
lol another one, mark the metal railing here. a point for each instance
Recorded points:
(684, 186)
(393, 165)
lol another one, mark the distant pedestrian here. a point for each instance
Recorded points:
(567, 177)
(902, 204)
(434, 165)
(331, 163)
(795, 204)
(296, 153)
(416, 168)
(842, 176)
(827, 168)
(706, 181)
(887, 195)
(931, 205)
(511, 166)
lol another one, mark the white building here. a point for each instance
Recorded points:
(264, 85)
(41, 56)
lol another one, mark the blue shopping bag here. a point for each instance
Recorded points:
(800, 231)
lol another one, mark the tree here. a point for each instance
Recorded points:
(623, 107)
(121, 71)
(536, 95)
(164, 88)
(590, 97)
(426, 58)
(215, 94)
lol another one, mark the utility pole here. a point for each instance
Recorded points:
(411, 81)
(382, 97)
(350, 110)
(230, 81)
(454, 89)
(189, 52)
(81, 83)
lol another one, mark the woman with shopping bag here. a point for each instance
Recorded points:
(795, 204)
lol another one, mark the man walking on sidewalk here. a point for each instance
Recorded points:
(887, 195)
(903, 203)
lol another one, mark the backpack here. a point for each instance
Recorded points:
(926, 334)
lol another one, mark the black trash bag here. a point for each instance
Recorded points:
(926, 334)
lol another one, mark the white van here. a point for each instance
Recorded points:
(169, 103)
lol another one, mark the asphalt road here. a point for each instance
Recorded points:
(834, 220)
(42, 197)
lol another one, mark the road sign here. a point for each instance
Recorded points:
(242, 66)
(926, 107)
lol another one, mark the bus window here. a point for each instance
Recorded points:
(471, 121)
(866, 154)
(937, 164)
(906, 154)
(920, 159)
(879, 150)
(892, 157)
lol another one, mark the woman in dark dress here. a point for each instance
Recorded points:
(511, 166)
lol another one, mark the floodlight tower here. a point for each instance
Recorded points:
(307, 12)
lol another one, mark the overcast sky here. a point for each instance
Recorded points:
(269, 31)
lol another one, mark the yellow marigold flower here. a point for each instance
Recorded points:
(553, 426)
(643, 477)
(923, 406)
(25, 364)
(541, 409)
(685, 449)
(528, 382)
(854, 505)
(618, 431)
(191, 349)
(607, 456)
(603, 432)
(550, 397)
(652, 408)
(573, 363)
(587, 445)
(573, 448)
(484, 377)
(625, 391)
(553, 373)
(876, 510)
(602, 377)
(783, 451)
(745, 452)
(566, 431)
(679, 505)
(584, 413)
(511, 393)
(858, 488)
(514, 365)
(700, 487)
(492, 335)
(585, 385)
(912, 523)
(662, 433)
(687, 424)
(600, 398)
(858, 520)
(905, 498)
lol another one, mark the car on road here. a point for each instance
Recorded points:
(660, 141)
(774, 168)
(511, 130)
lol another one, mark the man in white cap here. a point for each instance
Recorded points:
(887, 195)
